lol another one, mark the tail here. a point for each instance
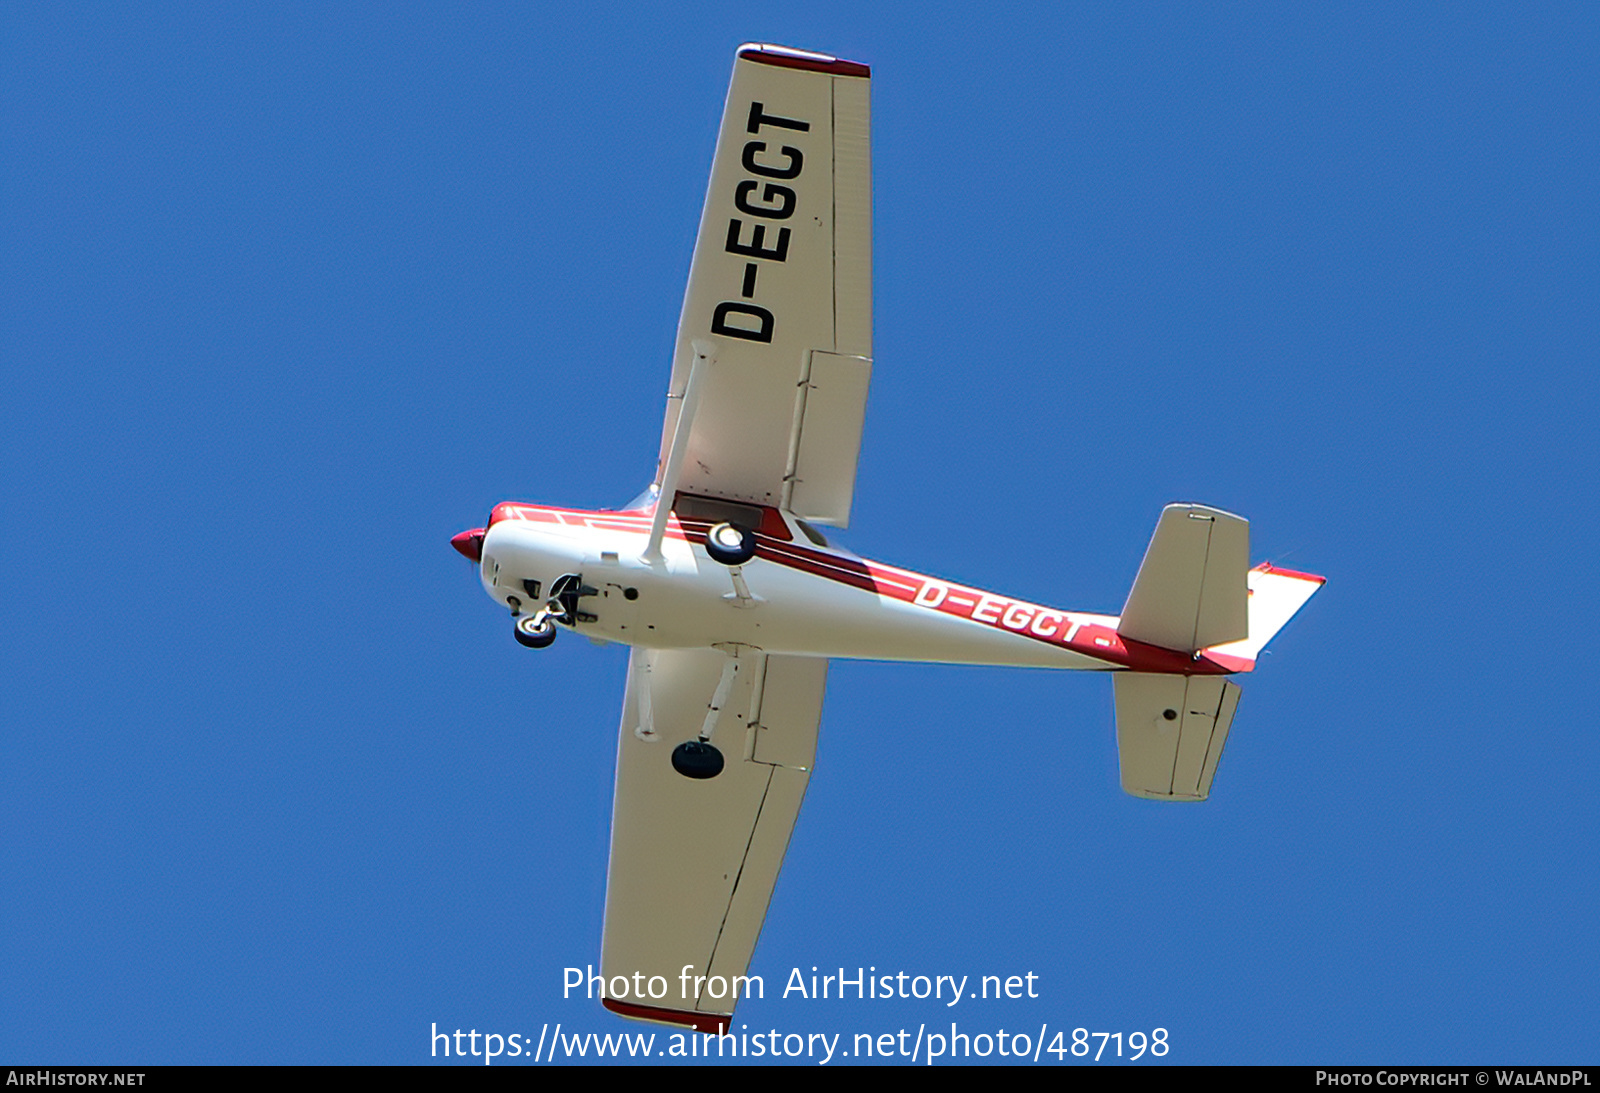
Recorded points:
(1194, 594)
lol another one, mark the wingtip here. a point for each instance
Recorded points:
(714, 1023)
(785, 57)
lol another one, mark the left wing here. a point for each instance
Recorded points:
(694, 861)
(780, 292)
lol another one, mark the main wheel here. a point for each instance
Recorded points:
(730, 544)
(535, 631)
(697, 759)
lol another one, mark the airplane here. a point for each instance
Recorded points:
(734, 600)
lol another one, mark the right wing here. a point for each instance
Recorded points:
(780, 291)
(694, 862)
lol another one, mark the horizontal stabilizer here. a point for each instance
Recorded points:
(1170, 732)
(1190, 592)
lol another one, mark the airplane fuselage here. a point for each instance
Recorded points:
(796, 596)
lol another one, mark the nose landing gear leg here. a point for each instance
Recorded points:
(538, 629)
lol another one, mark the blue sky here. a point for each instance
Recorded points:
(292, 295)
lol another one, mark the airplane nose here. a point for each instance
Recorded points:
(469, 544)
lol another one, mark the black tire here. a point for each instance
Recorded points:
(535, 632)
(697, 759)
(730, 544)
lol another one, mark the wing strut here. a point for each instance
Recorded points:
(704, 359)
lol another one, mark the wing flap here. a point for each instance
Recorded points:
(831, 406)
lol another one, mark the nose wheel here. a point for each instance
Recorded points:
(536, 630)
(539, 629)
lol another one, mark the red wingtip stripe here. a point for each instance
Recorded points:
(1268, 567)
(716, 1023)
(784, 57)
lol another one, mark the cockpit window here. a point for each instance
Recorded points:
(690, 507)
(812, 533)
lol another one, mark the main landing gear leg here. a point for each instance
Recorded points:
(700, 758)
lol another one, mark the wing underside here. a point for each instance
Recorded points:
(781, 290)
(694, 861)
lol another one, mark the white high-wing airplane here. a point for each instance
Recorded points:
(733, 601)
